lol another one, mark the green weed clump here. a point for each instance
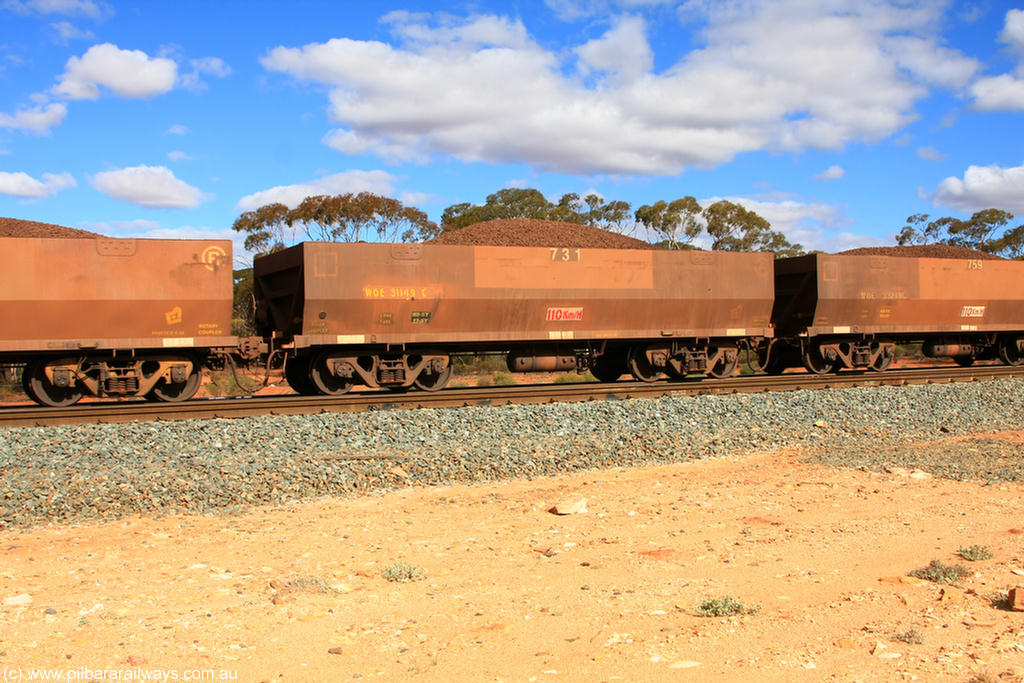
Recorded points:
(503, 379)
(937, 572)
(727, 606)
(402, 572)
(975, 553)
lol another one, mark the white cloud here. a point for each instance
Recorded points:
(377, 182)
(85, 7)
(983, 187)
(415, 199)
(930, 154)
(816, 226)
(178, 129)
(784, 75)
(128, 73)
(572, 10)
(154, 187)
(622, 52)
(210, 66)
(38, 120)
(1004, 92)
(1013, 30)
(932, 63)
(67, 31)
(25, 186)
(998, 93)
(831, 173)
(178, 155)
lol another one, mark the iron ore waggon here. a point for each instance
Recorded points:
(137, 317)
(392, 315)
(113, 317)
(835, 311)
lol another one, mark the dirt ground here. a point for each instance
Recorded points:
(505, 590)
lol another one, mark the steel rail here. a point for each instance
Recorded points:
(141, 411)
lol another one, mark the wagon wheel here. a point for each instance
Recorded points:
(296, 372)
(816, 363)
(434, 381)
(964, 361)
(607, 367)
(1010, 353)
(882, 363)
(41, 390)
(323, 380)
(173, 393)
(640, 367)
(724, 368)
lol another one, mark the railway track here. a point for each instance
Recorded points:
(110, 412)
(141, 411)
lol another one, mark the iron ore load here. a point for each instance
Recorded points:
(392, 315)
(88, 315)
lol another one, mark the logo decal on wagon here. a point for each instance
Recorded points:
(972, 312)
(564, 314)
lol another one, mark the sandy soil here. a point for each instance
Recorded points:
(512, 592)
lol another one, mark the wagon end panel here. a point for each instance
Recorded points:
(279, 290)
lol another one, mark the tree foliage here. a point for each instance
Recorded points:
(980, 231)
(591, 209)
(729, 226)
(333, 218)
(676, 222)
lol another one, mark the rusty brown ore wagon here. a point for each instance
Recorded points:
(392, 315)
(843, 311)
(113, 317)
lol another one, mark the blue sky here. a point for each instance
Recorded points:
(835, 120)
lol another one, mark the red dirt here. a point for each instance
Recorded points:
(16, 227)
(528, 232)
(923, 251)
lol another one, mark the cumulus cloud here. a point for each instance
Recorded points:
(816, 226)
(998, 93)
(127, 73)
(84, 7)
(1013, 30)
(209, 66)
(25, 186)
(67, 31)
(38, 120)
(622, 52)
(154, 187)
(377, 182)
(785, 75)
(178, 129)
(930, 154)
(983, 187)
(178, 155)
(572, 10)
(1004, 92)
(831, 173)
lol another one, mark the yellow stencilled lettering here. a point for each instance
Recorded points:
(975, 264)
(564, 254)
(396, 292)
